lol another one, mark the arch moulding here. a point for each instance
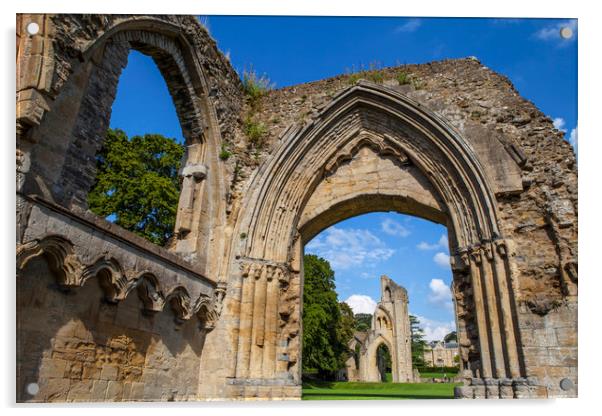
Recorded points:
(293, 196)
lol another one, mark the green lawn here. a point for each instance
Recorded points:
(437, 374)
(325, 390)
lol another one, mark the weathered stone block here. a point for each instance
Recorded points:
(109, 372)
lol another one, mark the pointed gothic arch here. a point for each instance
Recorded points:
(379, 123)
(63, 163)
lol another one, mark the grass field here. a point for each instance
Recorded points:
(437, 375)
(324, 390)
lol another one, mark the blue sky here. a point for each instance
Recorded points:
(411, 251)
(292, 50)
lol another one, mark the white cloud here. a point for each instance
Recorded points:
(440, 294)
(423, 245)
(559, 124)
(410, 26)
(573, 139)
(435, 330)
(552, 32)
(346, 248)
(392, 227)
(442, 243)
(361, 303)
(441, 259)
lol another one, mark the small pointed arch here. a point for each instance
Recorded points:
(111, 278)
(384, 315)
(175, 57)
(206, 312)
(150, 293)
(387, 295)
(58, 252)
(179, 300)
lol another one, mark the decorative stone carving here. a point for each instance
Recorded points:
(59, 254)
(191, 176)
(117, 284)
(210, 309)
(380, 145)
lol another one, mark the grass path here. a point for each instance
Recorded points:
(376, 391)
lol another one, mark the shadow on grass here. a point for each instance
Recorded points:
(314, 384)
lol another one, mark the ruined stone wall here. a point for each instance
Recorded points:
(531, 168)
(102, 313)
(390, 327)
(486, 109)
(67, 76)
(78, 347)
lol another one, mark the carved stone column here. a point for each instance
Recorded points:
(190, 204)
(504, 288)
(268, 324)
(35, 67)
(499, 371)
(491, 296)
(481, 313)
(250, 273)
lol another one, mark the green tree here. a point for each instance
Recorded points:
(418, 342)
(452, 336)
(346, 328)
(363, 321)
(323, 348)
(137, 184)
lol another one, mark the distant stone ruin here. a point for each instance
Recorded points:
(391, 327)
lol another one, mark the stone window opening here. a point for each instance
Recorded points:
(64, 171)
(135, 119)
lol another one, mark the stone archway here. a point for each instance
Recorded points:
(73, 115)
(372, 369)
(390, 326)
(370, 149)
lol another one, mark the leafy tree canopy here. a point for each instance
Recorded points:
(452, 336)
(418, 342)
(346, 329)
(327, 324)
(363, 321)
(137, 184)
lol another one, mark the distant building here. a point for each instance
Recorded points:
(441, 354)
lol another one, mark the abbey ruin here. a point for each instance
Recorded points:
(390, 327)
(104, 315)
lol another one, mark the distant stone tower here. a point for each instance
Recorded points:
(391, 327)
(394, 303)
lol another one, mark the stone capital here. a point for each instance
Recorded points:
(475, 255)
(197, 171)
(501, 247)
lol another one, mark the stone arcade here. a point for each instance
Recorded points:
(103, 315)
